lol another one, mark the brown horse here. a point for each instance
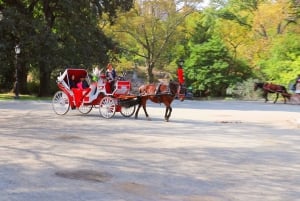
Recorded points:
(161, 93)
(272, 88)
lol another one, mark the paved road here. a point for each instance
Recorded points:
(209, 151)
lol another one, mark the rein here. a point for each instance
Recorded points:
(172, 90)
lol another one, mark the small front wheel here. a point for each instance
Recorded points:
(107, 107)
(127, 111)
(85, 109)
(60, 103)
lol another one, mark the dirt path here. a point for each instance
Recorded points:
(209, 151)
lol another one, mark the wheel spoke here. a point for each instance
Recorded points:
(107, 107)
(60, 103)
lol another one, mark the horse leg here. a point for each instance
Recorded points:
(142, 103)
(168, 113)
(265, 95)
(276, 98)
(146, 113)
(137, 111)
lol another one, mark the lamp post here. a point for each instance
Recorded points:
(17, 51)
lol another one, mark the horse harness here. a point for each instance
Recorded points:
(271, 90)
(158, 93)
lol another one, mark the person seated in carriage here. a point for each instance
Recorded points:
(73, 82)
(83, 84)
(111, 76)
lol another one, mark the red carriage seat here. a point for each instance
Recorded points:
(122, 87)
(80, 95)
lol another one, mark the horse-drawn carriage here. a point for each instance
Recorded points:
(266, 87)
(97, 95)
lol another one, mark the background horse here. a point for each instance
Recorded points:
(272, 88)
(161, 93)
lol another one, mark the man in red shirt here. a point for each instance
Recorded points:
(180, 75)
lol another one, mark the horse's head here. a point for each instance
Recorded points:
(178, 90)
(258, 85)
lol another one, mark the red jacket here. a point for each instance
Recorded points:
(180, 75)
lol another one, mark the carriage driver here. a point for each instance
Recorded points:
(111, 76)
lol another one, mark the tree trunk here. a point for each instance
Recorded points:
(150, 66)
(45, 75)
(22, 77)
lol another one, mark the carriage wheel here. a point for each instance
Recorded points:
(60, 103)
(127, 111)
(85, 109)
(107, 107)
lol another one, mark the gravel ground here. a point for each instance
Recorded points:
(209, 151)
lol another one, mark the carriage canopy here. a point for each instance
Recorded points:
(78, 73)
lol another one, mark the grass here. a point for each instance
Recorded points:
(11, 96)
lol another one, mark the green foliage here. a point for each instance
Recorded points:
(54, 34)
(283, 64)
(150, 31)
(210, 67)
(222, 46)
(33, 87)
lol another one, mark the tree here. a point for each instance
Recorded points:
(253, 31)
(150, 30)
(282, 65)
(212, 68)
(55, 34)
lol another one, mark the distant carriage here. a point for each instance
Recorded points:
(272, 88)
(98, 95)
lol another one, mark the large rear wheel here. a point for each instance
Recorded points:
(107, 107)
(127, 111)
(60, 103)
